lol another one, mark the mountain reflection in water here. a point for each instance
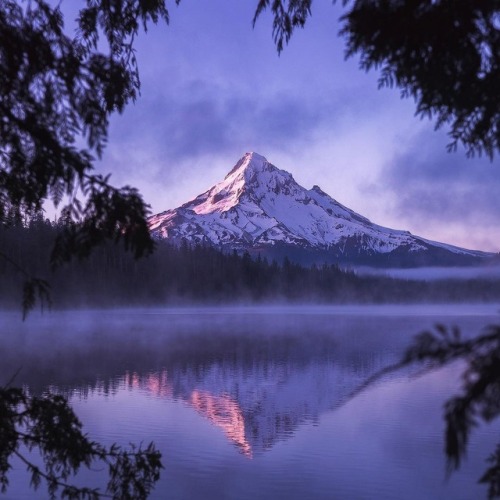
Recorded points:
(257, 405)
(257, 376)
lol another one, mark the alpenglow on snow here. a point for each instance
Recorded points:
(260, 208)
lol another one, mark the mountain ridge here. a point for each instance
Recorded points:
(260, 208)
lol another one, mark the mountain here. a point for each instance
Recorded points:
(260, 208)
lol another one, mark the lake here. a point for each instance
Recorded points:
(254, 402)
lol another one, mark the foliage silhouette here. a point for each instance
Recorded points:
(444, 54)
(56, 96)
(479, 398)
(48, 425)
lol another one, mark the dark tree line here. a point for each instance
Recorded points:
(186, 274)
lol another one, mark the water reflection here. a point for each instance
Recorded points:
(224, 412)
(257, 390)
(256, 377)
(259, 405)
(259, 379)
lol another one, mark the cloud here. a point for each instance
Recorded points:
(445, 193)
(200, 118)
(174, 142)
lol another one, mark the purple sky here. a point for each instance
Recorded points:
(214, 88)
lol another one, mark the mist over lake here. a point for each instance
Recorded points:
(254, 402)
(489, 273)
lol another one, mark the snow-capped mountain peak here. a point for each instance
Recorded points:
(258, 206)
(249, 164)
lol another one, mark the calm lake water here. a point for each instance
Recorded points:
(253, 403)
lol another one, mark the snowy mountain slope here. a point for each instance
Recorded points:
(259, 207)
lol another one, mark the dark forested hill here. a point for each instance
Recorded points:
(200, 274)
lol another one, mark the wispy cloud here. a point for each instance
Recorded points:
(445, 193)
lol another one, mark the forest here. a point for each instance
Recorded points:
(181, 275)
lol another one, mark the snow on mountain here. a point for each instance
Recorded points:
(258, 206)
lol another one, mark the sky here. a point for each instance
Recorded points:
(214, 87)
